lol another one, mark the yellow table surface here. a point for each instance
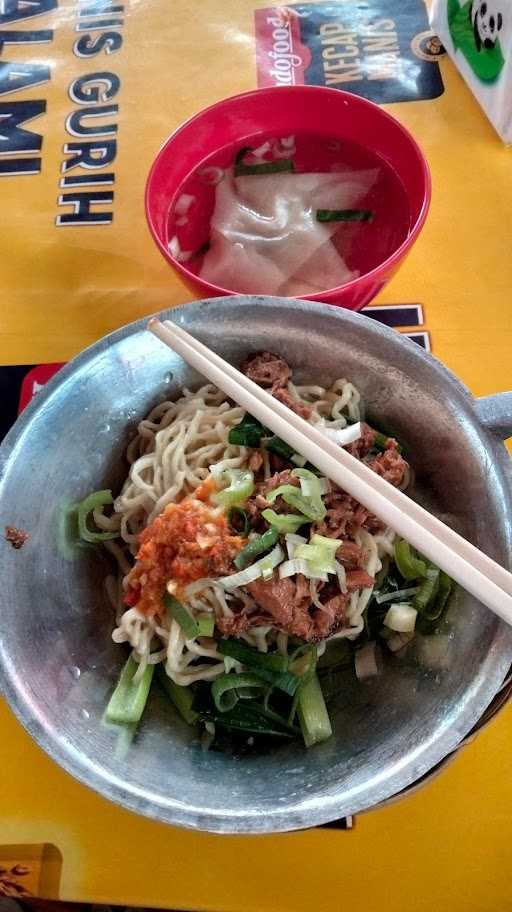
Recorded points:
(448, 847)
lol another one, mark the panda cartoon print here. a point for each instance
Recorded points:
(486, 22)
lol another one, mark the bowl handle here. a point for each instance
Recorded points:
(495, 413)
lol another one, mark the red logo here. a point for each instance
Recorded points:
(34, 381)
(281, 57)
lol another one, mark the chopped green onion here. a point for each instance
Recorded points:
(249, 716)
(263, 567)
(401, 617)
(90, 503)
(320, 553)
(306, 568)
(312, 711)
(124, 732)
(432, 614)
(313, 553)
(313, 509)
(328, 544)
(344, 215)
(280, 491)
(206, 625)
(311, 487)
(180, 614)
(310, 484)
(381, 442)
(271, 167)
(287, 682)
(292, 541)
(256, 546)
(444, 592)
(427, 592)
(239, 521)
(228, 688)
(248, 433)
(409, 565)
(280, 448)
(252, 658)
(240, 487)
(69, 544)
(267, 565)
(284, 523)
(181, 697)
(127, 703)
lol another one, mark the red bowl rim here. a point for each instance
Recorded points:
(374, 273)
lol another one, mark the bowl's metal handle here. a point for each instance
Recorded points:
(495, 413)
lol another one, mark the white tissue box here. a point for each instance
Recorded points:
(477, 35)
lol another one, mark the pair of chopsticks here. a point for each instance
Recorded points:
(471, 568)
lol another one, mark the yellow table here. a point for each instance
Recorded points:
(448, 846)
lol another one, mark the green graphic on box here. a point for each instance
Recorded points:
(474, 28)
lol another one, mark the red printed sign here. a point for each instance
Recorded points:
(380, 49)
(34, 381)
(281, 57)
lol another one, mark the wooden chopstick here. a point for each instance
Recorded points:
(475, 571)
(488, 567)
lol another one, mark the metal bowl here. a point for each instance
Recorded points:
(57, 661)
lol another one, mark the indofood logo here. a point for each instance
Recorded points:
(282, 56)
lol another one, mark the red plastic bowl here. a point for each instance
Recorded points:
(282, 111)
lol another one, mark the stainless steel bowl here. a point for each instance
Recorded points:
(57, 661)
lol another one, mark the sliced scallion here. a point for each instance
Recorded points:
(430, 617)
(229, 688)
(127, 703)
(249, 716)
(252, 657)
(256, 546)
(181, 697)
(239, 521)
(85, 507)
(247, 433)
(308, 500)
(280, 448)
(427, 592)
(206, 625)
(312, 509)
(409, 565)
(180, 614)
(312, 712)
(446, 585)
(344, 215)
(401, 618)
(284, 522)
(239, 488)
(263, 567)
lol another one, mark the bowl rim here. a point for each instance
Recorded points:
(309, 812)
(385, 266)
